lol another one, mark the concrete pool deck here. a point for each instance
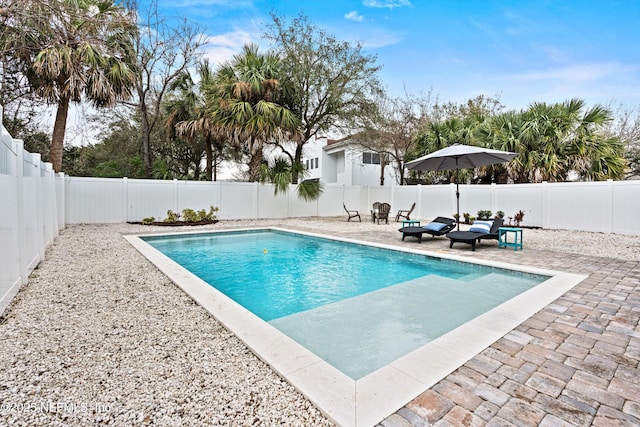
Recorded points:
(575, 362)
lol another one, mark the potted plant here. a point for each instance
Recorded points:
(499, 215)
(466, 217)
(518, 218)
(484, 215)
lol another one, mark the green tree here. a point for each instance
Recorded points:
(117, 154)
(190, 116)
(328, 83)
(244, 102)
(440, 134)
(69, 49)
(280, 173)
(556, 142)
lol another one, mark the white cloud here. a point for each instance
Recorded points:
(386, 3)
(221, 48)
(353, 16)
(595, 83)
(573, 74)
(380, 38)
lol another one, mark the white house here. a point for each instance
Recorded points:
(344, 161)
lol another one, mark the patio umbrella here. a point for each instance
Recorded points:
(460, 156)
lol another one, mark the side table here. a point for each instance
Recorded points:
(503, 238)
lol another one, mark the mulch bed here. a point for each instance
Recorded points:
(174, 224)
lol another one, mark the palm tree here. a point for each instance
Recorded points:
(197, 118)
(568, 140)
(556, 141)
(70, 49)
(441, 134)
(280, 173)
(244, 102)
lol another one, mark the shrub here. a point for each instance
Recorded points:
(148, 220)
(189, 215)
(172, 216)
(204, 216)
(484, 215)
(499, 214)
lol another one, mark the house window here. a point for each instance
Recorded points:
(371, 158)
(306, 164)
(316, 163)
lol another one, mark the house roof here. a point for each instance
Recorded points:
(336, 144)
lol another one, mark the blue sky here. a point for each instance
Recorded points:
(524, 51)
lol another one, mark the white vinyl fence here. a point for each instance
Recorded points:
(609, 207)
(31, 212)
(36, 203)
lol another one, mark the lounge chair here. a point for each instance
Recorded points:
(479, 230)
(438, 227)
(352, 214)
(405, 214)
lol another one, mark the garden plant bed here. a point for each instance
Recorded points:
(175, 223)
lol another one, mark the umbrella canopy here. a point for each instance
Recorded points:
(460, 156)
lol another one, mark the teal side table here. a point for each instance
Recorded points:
(411, 223)
(503, 238)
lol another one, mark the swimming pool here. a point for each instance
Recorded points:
(369, 399)
(358, 307)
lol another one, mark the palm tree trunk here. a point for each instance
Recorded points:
(298, 159)
(209, 153)
(57, 138)
(215, 166)
(254, 166)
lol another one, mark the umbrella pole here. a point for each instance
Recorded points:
(457, 200)
(457, 195)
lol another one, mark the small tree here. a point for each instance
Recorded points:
(328, 83)
(390, 129)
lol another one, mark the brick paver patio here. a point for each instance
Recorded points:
(575, 363)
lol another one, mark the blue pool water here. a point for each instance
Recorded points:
(358, 307)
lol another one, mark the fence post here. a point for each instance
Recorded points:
(61, 201)
(419, 201)
(219, 198)
(22, 239)
(52, 212)
(393, 195)
(256, 200)
(36, 158)
(610, 202)
(125, 199)
(175, 196)
(545, 205)
(494, 197)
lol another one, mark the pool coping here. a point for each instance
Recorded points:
(370, 399)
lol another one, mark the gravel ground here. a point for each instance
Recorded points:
(99, 336)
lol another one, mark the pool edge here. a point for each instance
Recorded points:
(370, 399)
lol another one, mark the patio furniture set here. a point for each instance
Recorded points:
(441, 226)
